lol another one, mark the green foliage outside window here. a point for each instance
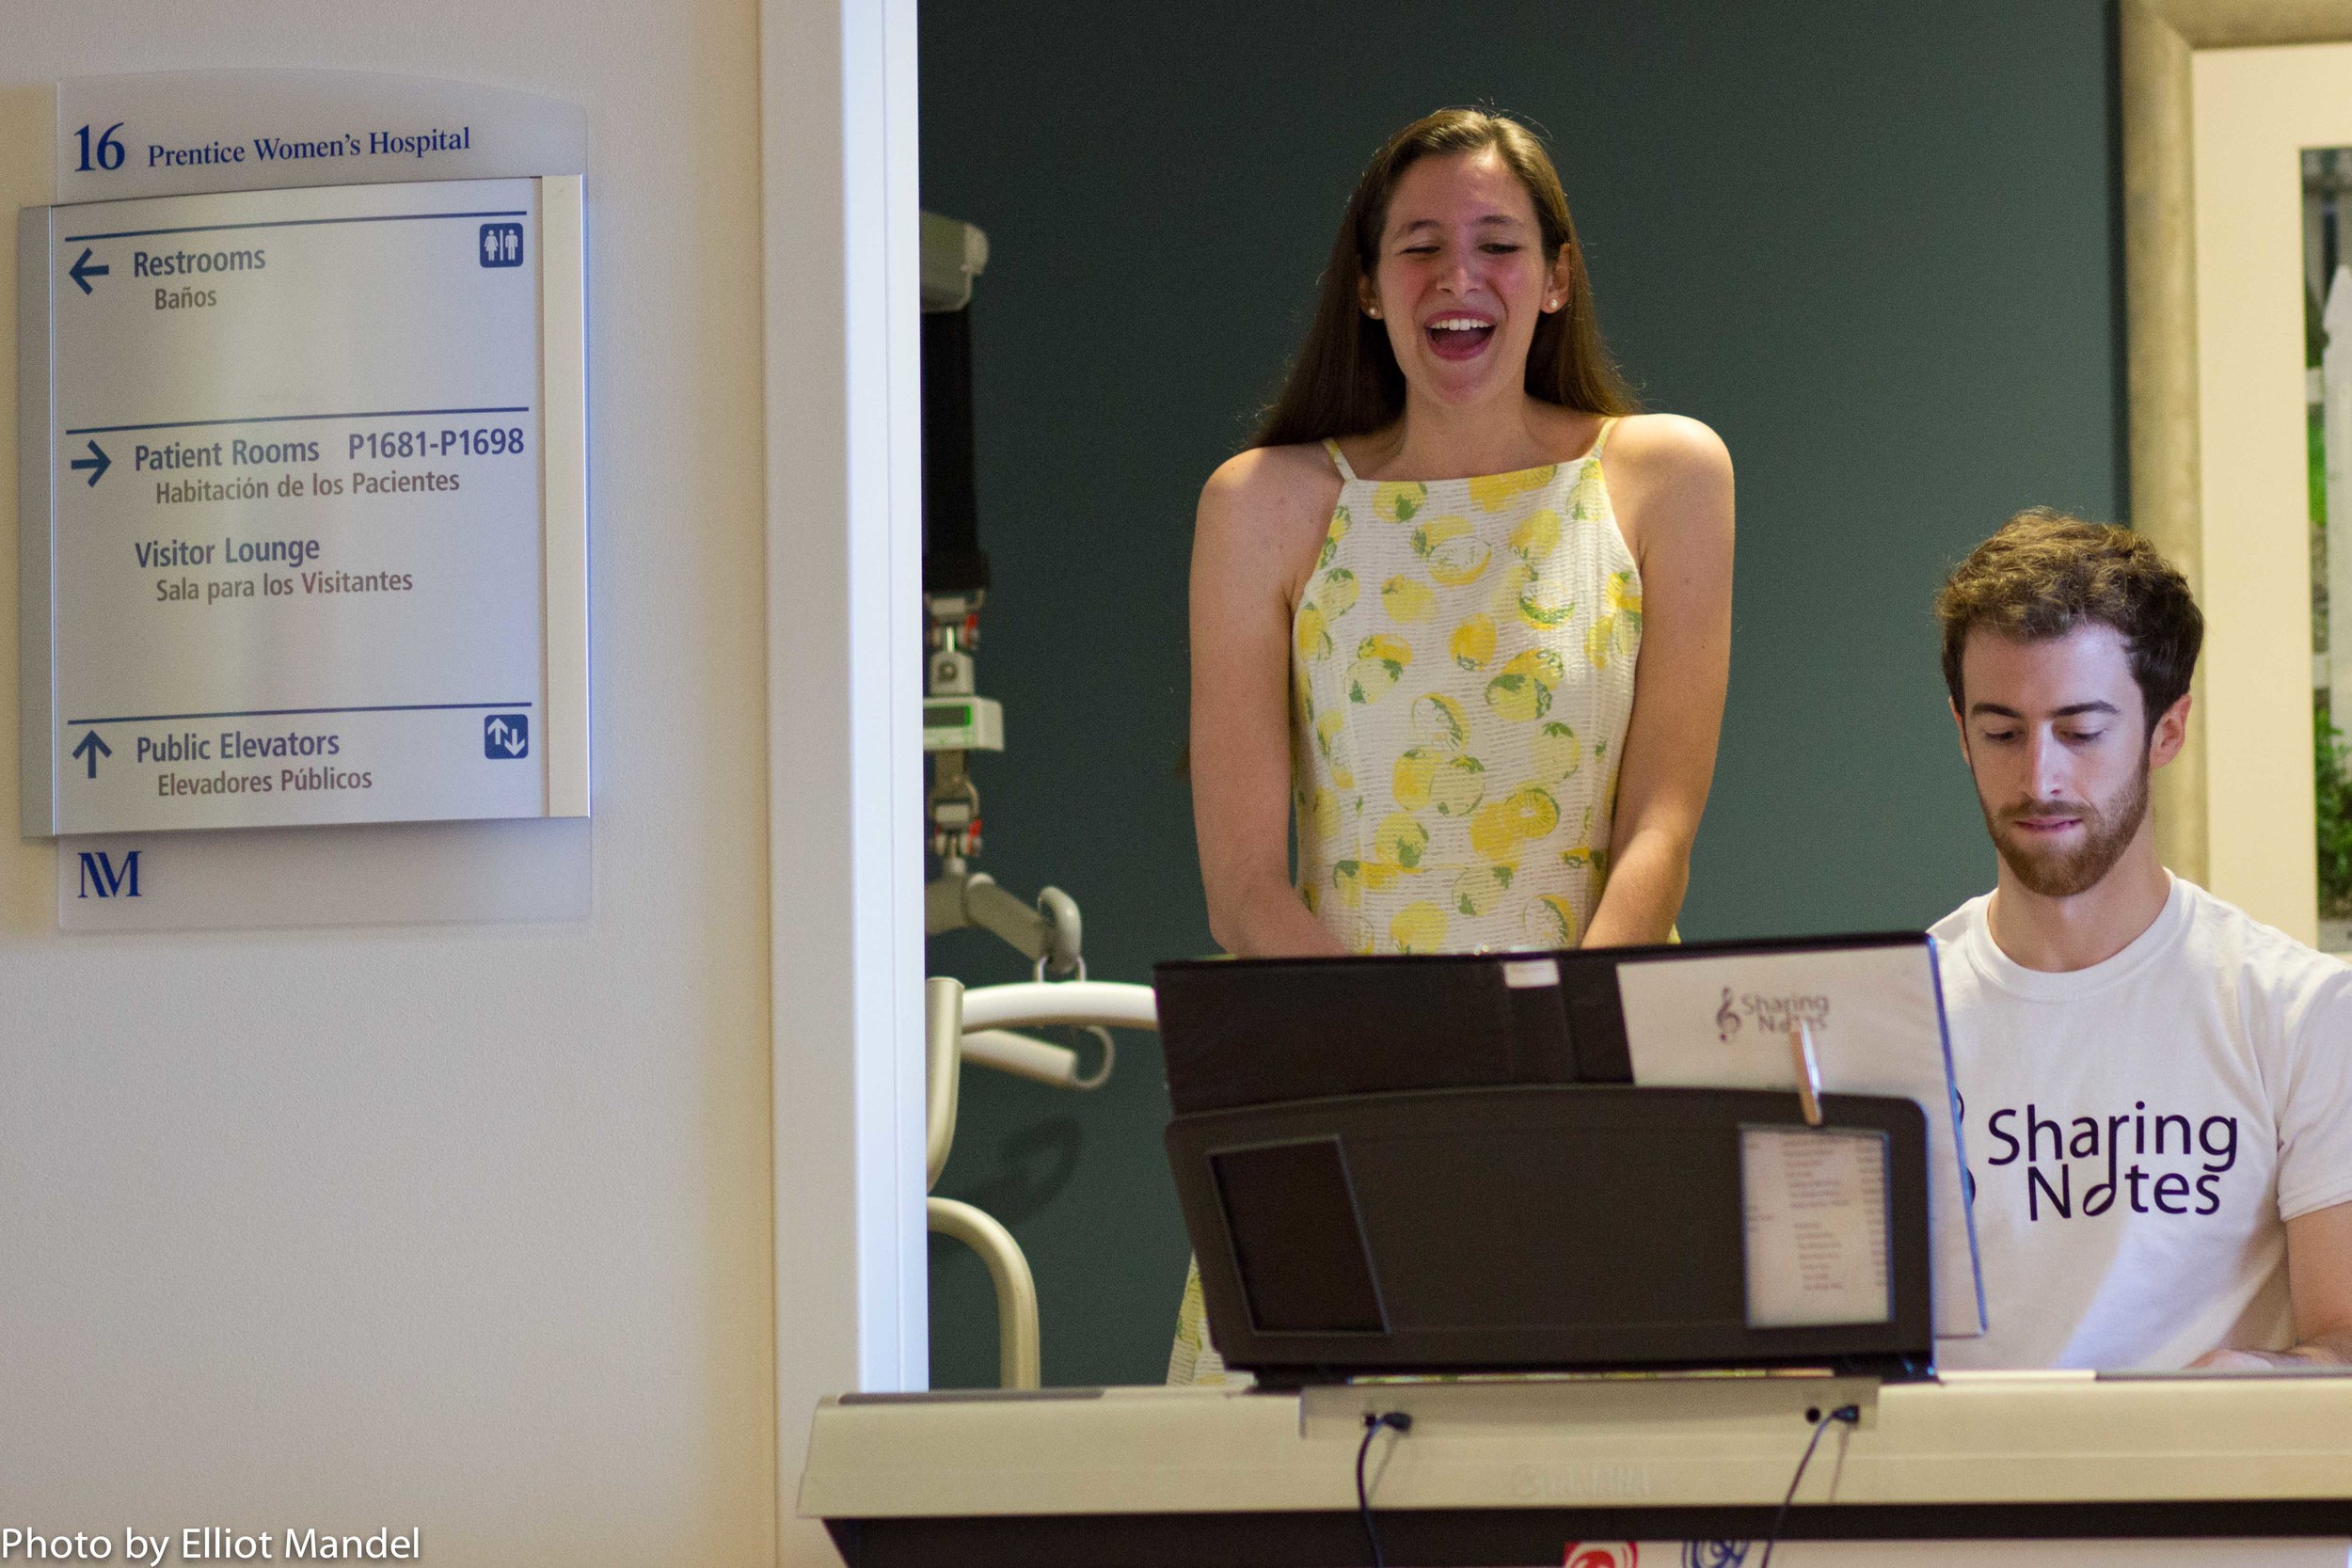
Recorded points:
(2331, 751)
(2331, 755)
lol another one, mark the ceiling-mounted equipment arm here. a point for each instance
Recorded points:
(942, 1061)
(954, 253)
(957, 719)
(1028, 1005)
(1051, 932)
(1041, 1061)
(953, 562)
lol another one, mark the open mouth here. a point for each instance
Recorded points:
(1458, 337)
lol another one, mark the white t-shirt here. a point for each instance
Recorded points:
(2138, 1133)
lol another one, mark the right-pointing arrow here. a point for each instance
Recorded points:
(97, 462)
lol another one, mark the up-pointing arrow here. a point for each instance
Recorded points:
(82, 272)
(91, 748)
(97, 462)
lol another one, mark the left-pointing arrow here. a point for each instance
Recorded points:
(91, 748)
(97, 462)
(82, 272)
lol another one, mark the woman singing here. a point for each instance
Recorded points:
(1456, 607)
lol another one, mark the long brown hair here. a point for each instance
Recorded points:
(1346, 379)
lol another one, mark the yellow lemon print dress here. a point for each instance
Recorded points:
(1462, 670)
(1462, 675)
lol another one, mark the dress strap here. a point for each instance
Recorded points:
(1339, 459)
(1602, 439)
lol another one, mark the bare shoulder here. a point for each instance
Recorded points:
(1286, 479)
(1668, 447)
(1272, 504)
(1671, 478)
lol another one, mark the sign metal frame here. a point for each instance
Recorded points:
(563, 733)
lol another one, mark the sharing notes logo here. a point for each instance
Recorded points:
(1770, 1015)
(2151, 1163)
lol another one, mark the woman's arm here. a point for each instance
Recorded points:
(1671, 480)
(1261, 520)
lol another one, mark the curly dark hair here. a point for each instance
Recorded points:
(2046, 573)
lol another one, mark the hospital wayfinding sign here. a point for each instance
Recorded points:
(310, 544)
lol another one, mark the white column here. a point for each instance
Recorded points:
(844, 427)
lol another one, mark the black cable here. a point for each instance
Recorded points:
(1852, 1416)
(1402, 1422)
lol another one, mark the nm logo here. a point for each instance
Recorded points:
(102, 879)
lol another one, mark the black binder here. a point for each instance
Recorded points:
(1250, 1031)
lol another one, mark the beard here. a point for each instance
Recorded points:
(2107, 831)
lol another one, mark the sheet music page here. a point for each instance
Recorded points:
(1723, 1020)
(1816, 1225)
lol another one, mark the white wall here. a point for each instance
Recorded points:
(467, 1227)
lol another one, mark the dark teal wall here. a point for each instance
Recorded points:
(1873, 245)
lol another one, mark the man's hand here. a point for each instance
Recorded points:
(2252, 1360)
(2319, 1283)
